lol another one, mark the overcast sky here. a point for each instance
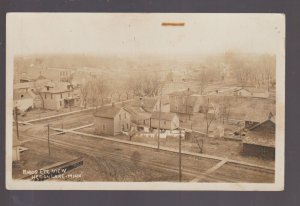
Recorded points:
(142, 33)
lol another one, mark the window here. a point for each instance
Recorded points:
(51, 96)
(125, 115)
(123, 128)
(45, 96)
(120, 116)
(22, 95)
(127, 126)
(165, 122)
(60, 103)
(61, 95)
(103, 126)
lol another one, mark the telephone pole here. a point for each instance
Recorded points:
(17, 123)
(49, 153)
(180, 172)
(158, 134)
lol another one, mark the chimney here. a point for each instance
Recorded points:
(141, 102)
(270, 115)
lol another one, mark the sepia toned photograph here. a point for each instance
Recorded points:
(145, 101)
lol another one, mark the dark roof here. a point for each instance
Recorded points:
(107, 111)
(272, 119)
(258, 140)
(138, 112)
(164, 115)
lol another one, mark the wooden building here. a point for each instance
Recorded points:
(260, 140)
(59, 96)
(111, 120)
(168, 121)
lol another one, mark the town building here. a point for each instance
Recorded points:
(251, 92)
(59, 96)
(111, 120)
(138, 115)
(57, 74)
(168, 121)
(185, 102)
(23, 100)
(260, 140)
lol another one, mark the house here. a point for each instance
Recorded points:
(168, 121)
(60, 95)
(152, 104)
(260, 139)
(254, 118)
(184, 102)
(57, 74)
(138, 115)
(23, 100)
(111, 120)
(251, 92)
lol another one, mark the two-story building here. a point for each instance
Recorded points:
(59, 96)
(111, 120)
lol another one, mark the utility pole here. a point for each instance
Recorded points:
(49, 153)
(17, 122)
(180, 172)
(158, 135)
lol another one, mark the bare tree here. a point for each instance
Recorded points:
(225, 107)
(92, 91)
(38, 88)
(102, 90)
(210, 115)
(202, 81)
(84, 94)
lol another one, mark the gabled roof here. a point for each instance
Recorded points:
(58, 87)
(251, 90)
(107, 111)
(147, 103)
(138, 112)
(257, 125)
(163, 115)
(258, 116)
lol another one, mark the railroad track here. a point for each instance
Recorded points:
(96, 153)
(191, 172)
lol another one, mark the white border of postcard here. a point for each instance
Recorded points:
(12, 184)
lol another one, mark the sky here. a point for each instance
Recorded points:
(134, 34)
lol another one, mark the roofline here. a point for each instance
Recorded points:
(251, 128)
